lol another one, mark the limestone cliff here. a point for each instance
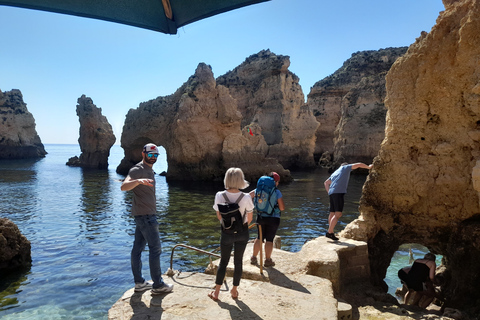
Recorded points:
(349, 107)
(96, 136)
(15, 249)
(269, 95)
(200, 128)
(18, 137)
(424, 185)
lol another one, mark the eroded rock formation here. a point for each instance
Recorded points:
(349, 107)
(96, 136)
(200, 128)
(269, 95)
(15, 250)
(424, 185)
(18, 137)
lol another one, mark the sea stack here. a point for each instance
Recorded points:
(18, 137)
(96, 136)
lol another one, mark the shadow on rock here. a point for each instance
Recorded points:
(239, 311)
(140, 309)
(280, 279)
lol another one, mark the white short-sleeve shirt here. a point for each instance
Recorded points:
(246, 204)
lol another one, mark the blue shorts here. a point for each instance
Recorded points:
(336, 202)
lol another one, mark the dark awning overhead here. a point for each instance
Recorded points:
(160, 15)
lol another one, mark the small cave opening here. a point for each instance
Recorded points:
(404, 257)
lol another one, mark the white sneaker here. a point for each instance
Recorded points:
(146, 285)
(166, 288)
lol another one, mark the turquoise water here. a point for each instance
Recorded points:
(81, 233)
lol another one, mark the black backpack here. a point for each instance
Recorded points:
(232, 220)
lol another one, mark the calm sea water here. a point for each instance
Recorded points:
(81, 232)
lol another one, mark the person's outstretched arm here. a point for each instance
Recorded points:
(361, 165)
(129, 183)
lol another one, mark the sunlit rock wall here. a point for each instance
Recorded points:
(269, 95)
(349, 105)
(423, 187)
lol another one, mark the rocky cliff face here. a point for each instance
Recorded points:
(96, 136)
(269, 95)
(424, 185)
(15, 249)
(349, 107)
(18, 137)
(200, 128)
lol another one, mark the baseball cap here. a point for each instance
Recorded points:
(275, 176)
(150, 148)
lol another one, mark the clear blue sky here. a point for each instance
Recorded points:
(54, 59)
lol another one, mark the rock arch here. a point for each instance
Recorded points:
(200, 125)
(423, 187)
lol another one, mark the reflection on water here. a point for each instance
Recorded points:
(81, 232)
(9, 286)
(18, 197)
(96, 202)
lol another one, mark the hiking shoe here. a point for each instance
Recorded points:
(331, 236)
(253, 260)
(269, 263)
(146, 285)
(165, 288)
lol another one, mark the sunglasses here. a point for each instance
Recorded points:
(152, 155)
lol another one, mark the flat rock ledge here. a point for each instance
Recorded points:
(301, 285)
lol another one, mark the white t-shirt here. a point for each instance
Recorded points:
(246, 204)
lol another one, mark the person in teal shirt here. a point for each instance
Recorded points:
(336, 186)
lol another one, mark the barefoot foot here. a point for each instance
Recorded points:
(212, 296)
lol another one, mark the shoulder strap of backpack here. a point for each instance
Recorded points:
(238, 199)
(224, 193)
(274, 191)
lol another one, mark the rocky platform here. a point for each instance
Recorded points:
(292, 289)
(325, 280)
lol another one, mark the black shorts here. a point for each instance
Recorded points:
(269, 227)
(402, 275)
(336, 202)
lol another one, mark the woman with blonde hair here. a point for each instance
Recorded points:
(232, 237)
